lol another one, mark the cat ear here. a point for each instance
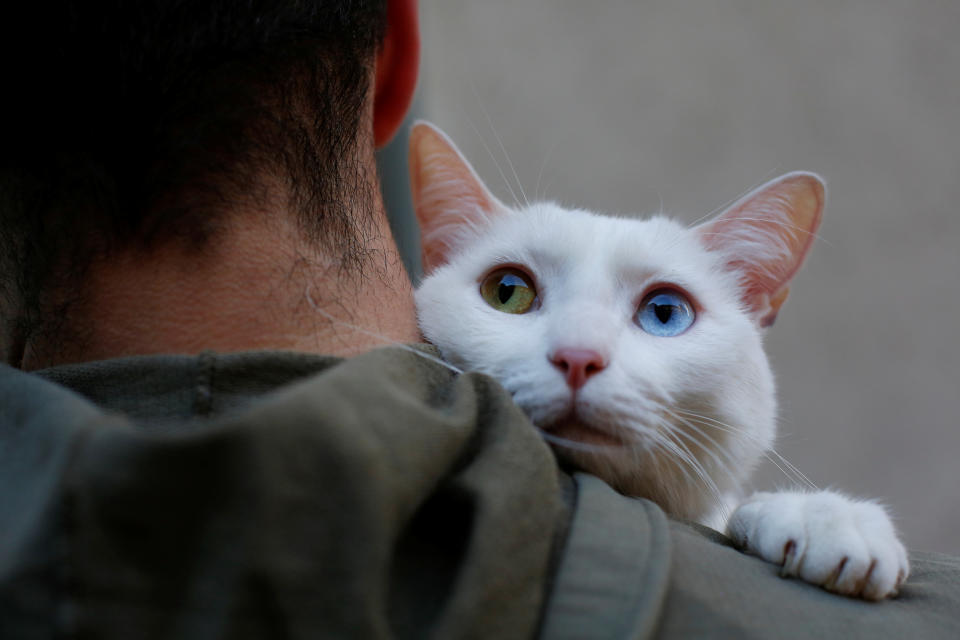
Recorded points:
(448, 197)
(766, 235)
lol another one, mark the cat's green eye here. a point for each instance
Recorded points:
(509, 290)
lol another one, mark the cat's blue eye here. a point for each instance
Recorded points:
(665, 313)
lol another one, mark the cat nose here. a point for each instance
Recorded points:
(577, 365)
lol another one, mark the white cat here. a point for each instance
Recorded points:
(635, 347)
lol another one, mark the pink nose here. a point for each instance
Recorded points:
(577, 365)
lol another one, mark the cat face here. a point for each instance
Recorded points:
(634, 345)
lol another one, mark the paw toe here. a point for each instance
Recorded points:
(848, 547)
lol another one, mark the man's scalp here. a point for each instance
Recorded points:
(142, 123)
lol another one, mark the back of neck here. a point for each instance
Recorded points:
(257, 285)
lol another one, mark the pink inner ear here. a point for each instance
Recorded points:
(448, 197)
(766, 236)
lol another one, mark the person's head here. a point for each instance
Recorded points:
(146, 124)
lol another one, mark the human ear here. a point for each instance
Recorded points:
(397, 66)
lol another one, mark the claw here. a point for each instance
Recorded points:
(861, 584)
(901, 576)
(825, 538)
(788, 567)
(831, 582)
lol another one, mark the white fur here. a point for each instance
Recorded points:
(845, 545)
(591, 272)
(693, 413)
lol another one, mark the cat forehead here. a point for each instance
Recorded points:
(553, 237)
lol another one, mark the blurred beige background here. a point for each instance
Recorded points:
(621, 106)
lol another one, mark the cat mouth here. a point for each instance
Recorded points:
(573, 428)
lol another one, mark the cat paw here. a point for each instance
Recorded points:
(846, 546)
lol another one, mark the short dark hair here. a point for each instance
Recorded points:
(141, 122)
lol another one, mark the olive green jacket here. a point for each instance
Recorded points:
(280, 495)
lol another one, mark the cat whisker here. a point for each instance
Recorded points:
(721, 466)
(668, 433)
(714, 451)
(728, 203)
(502, 148)
(700, 432)
(536, 189)
(717, 424)
(373, 334)
(646, 399)
(683, 453)
(671, 457)
(798, 476)
(780, 223)
(496, 163)
(676, 435)
(628, 410)
(575, 444)
(619, 412)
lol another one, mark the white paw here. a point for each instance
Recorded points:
(844, 545)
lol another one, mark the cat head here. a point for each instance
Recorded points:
(633, 345)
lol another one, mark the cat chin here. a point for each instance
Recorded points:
(574, 431)
(635, 472)
(635, 466)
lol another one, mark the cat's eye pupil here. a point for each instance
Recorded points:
(509, 290)
(665, 313)
(505, 292)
